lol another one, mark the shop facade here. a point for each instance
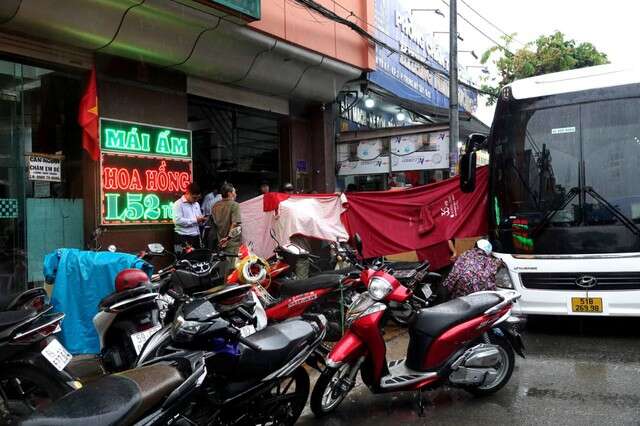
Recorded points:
(401, 94)
(187, 91)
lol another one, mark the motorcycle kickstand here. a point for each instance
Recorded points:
(420, 403)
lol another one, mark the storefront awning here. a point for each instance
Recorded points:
(192, 38)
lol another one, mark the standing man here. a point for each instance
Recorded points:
(187, 218)
(226, 216)
(210, 200)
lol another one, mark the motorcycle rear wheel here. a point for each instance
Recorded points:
(283, 403)
(326, 395)
(505, 368)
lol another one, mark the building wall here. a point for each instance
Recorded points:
(133, 91)
(295, 23)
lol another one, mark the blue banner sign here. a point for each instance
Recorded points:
(404, 76)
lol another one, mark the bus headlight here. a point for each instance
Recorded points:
(503, 279)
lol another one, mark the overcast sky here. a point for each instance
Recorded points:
(608, 25)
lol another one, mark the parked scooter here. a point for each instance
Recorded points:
(221, 378)
(32, 362)
(285, 298)
(468, 342)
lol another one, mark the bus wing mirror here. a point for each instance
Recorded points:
(476, 141)
(468, 172)
(468, 161)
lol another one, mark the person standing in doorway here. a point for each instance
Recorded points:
(187, 218)
(226, 216)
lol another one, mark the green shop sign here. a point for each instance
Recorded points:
(142, 139)
(250, 8)
(143, 170)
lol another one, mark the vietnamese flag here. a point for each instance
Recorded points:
(88, 117)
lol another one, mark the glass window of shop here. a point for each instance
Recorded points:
(38, 110)
(234, 144)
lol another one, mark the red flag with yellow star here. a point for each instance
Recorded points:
(88, 117)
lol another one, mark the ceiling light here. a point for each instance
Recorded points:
(369, 103)
(401, 116)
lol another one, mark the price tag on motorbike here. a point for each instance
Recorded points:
(139, 339)
(56, 354)
(247, 330)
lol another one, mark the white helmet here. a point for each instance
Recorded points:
(485, 246)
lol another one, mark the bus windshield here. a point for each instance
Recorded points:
(564, 177)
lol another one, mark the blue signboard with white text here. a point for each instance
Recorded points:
(405, 77)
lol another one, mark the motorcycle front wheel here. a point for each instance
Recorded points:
(330, 390)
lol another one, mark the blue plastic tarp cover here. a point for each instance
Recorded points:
(81, 280)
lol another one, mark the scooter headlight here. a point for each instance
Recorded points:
(379, 288)
(503, 279)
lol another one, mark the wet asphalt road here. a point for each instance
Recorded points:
(577, 372)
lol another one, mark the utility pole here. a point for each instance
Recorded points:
(454, 124)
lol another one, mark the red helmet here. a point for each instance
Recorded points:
(130, 278)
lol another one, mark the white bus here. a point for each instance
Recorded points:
(564, 191)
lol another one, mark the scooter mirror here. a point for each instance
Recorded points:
(358, 242)
(156, 248)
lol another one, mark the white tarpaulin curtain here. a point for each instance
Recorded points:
(314, 217)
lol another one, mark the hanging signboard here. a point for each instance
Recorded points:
(423, 151)
(249, 9)
(143, 170)
(363, 158)
(43, 167)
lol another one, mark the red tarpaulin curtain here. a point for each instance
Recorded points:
(88, 117)
(420, 219)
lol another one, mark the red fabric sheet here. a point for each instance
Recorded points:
(420, 219)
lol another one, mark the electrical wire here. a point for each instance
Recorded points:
(481, 32)
(334, 17)
(491, 23)
(124, 15)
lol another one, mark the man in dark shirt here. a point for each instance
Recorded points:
(226, 216)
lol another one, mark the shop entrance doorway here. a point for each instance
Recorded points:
(234, 144)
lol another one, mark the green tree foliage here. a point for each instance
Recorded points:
(547, 54)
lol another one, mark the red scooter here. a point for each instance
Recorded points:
(284, 298)
(467, 342)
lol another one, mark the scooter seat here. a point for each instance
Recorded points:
(278, 344)
(9, 301)
(117, 297)
(436, 320)
(9, 318)
(118, 399)
(295, 287)
(429, 323)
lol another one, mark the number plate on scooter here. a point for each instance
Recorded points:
(139, 339)
(247, 330)
(56, 354)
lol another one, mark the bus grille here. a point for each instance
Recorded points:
(567, 280)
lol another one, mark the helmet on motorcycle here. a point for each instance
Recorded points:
(485, 246)
(130, 278)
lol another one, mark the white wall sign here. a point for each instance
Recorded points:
(424, 151)
(44, 167)
(363, 158)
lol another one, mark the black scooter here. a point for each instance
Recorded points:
(32, 362)
(216, 377)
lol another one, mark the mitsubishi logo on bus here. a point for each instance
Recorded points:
(586, 281)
